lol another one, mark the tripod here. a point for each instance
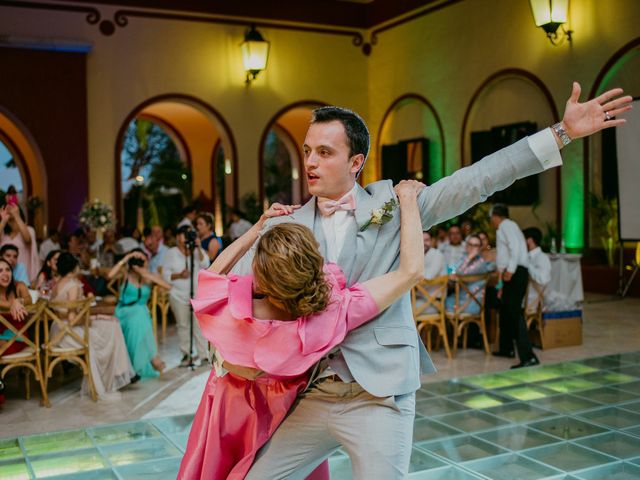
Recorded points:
(191, 247)
(634, 267)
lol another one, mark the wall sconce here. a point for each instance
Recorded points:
(550, 15)
(255, 53)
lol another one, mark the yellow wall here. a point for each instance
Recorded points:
(444, 56)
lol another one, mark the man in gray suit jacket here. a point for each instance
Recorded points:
(363, 395)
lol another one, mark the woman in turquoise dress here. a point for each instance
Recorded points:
(134, 315)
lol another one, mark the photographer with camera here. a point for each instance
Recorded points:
(134, 315)
(180, 268)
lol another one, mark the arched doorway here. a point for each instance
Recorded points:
(193, 134)
(508, 106)
(600, 171)
(21, 166)
(281, 158)
(411, 134)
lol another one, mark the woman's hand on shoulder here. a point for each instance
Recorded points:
(408, 189)
(278, 210)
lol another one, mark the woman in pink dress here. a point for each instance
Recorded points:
(272, 327)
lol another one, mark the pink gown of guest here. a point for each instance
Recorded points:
(236, 416)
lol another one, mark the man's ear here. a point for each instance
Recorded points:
(357, 163)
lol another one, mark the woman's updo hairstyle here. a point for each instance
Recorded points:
(66, 263)
(287, 266)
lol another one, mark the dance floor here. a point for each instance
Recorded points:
(570, 421)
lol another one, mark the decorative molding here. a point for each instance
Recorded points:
(121, 19)
(373, 37)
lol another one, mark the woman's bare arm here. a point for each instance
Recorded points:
(234, 252)
(387, 288)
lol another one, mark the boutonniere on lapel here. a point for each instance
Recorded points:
(380, 216)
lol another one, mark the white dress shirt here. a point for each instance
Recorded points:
(511, 247)
(48, 246)
(539, 274)
(454, 255)
(239, 228)
(176, 262)
(434, 265)
(335, 227)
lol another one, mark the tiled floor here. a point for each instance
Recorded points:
(572, 420)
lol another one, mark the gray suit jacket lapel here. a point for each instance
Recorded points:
(365, 241)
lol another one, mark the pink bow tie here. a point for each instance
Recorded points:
(329, 207)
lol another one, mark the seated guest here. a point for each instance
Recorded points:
(539, 266)
(156, 231)
(472, 264)
(169, 237)
(77, 246)
(15, 231)
(442, 238)
(107, 251)
(108, 359)
(433, 267)
(487, 251)
(48, 275)
(239, 224)
(210, 243)
(93, 242)
(13, 297)
(127, 242)
(154, 250)
(10, 254)
(466, 227)
(133, 313)
(50, 244)
(454, 252)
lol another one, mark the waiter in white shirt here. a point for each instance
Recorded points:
(539, 267)
(512, 263)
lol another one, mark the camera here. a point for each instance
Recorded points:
(135, 262)
(190, 239)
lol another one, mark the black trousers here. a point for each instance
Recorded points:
(512, 323)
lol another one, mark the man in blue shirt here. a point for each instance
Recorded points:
(9, 252)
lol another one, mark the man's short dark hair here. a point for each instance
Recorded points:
(189, 209)
(355, 128)
(9, 246)
(534, 234)
(500, 210)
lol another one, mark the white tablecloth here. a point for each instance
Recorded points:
(566, 276)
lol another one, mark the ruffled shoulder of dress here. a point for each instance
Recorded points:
(285, 348)
(213, 288)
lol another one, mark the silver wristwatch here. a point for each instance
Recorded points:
(562, 133)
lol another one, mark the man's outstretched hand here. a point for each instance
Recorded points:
(583, 119)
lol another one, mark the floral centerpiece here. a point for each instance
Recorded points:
(96, 215)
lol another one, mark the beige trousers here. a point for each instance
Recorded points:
(375, 432)
(182, 312)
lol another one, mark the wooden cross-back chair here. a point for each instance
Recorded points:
(427, 303)
(115, 283)
(159, 301)
(533, 316)
(459, 318)
(28, 357)
(56, 314)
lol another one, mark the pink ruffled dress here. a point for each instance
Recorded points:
(236, 416)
